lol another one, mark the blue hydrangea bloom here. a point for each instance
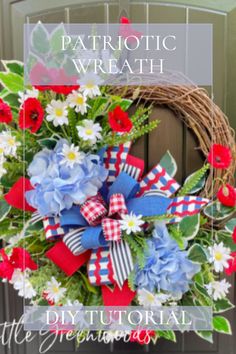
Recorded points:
(167, 267)
(58, 186)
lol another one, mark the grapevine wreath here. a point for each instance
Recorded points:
(81, 222)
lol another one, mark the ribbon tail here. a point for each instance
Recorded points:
(158, 179)
(181, 207)
(117, 296)
(35, 218)
(65, 259)
(52, 228)
(122, 261)
(113, 159)
(100, 269)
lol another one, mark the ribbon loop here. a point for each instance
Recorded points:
(93, 238)
(94, 210)
(111, 229)
(124, 184)
(117, 205)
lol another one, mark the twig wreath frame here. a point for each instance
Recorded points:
(200, 114)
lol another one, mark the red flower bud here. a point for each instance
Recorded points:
(227, 195)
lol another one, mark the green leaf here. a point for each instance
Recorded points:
(222, 305)
(40, 40)
(230, 225)
(176, 234)
(123, 103)
(199, 185)
(4, 92)
(197, 254)
(206, 335)
(169, 335)
(217, 211)
(199, 278)
(32, 228)
(221, 325)
(11, 81)
(4, 209)
(189, 226)
(12, 100)
(202, 290)
(226, 238)
(14, 66)
(55, 39)
(169, 164)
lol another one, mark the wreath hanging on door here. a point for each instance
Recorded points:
(81, 221)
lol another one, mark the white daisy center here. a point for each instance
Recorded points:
(71, 156)
(150, 297)
(11, 142)
(55, 289)
(88, 131)
(80, 100)
(58, 112)
(90, 85)
(218, 256)
(131, 223)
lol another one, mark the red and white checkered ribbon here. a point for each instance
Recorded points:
(95, 211)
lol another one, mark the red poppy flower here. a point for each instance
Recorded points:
(232, 264)
(234, 235)
(5, 112)
(31, 115)
(16, 195)
(227, 195)
(127, 32)
(142, 336)
(20, 258)
(220, 156)
(6, 268)
(119, 120)
(44, 79)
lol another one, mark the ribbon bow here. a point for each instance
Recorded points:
(95, 212)
(91, 223)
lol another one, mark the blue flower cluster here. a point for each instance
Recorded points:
(167, 267)
(58, 186)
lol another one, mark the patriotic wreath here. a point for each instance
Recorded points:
(83, 224)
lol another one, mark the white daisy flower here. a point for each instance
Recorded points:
(54, 291)
(33, 93)
(57, 112)
(8, 144)
(131, 223)
(21, 283)
(89, 85)
(71, 155)
(148, 299)
(219, 256)
(89, 131)
(218, 289)
(78, 101)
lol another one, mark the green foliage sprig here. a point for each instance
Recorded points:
(193, 180)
